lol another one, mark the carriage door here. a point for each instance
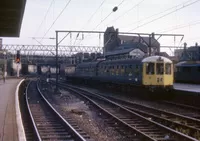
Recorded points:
(149, 73)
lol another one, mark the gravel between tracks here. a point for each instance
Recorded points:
(86, 117)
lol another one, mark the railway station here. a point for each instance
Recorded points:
(93, 77)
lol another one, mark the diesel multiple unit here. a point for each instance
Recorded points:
(150, 72)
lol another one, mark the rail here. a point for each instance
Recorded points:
(176, 133)
(32, 119)
(62, 123)
(72, 130)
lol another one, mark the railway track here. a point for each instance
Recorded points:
(27, 123)
(48, 123)
(192, 109)
(184, 124)
(142, 127)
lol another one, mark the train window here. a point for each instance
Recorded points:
(150, 68)
(125, 69)
(136, 69)
(159, 68)
(186, 69)
(167, 68)
(178, 69)
(199, 69)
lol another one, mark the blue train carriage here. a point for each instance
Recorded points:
(153, 73)
(188, 72)
(120, 71)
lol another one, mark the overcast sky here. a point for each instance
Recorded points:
(76, 15)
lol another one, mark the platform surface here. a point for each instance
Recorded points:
(187, 87)
(8, 125)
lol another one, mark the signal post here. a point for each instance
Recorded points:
(17, 60)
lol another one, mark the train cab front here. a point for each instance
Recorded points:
(158, 74)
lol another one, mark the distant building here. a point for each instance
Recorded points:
(125, 54)
(82, 57)
(191, 54)
(113, 41)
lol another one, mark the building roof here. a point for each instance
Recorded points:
(193, 48)
(11, 15)
(115, 52)
(126, 48)
(154, 42)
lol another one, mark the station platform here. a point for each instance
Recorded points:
(187, 87)
(8, 124)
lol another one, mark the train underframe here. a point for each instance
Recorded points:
(155, 92)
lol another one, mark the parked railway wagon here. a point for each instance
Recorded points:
(153, 73)
(69, 71)
(28, 69)
(49, 71)
(188, 72)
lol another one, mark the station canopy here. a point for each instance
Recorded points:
(11, 15)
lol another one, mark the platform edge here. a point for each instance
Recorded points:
(20, 127)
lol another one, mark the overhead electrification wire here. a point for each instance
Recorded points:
(94, 13)
(134, 6)
(192, 39)
(56, 19)
(161, 12)
(121, 3)
(103, 20)
(45, 16)
(108, 15)
(184, 6)
(90, 19)
(180, 26)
